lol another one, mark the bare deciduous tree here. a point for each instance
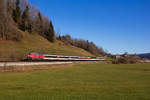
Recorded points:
(4, 20)
(84, 44)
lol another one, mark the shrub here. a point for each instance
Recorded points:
(126, 60)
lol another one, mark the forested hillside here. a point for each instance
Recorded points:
(23, 28)
(16, 15)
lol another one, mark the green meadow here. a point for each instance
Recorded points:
(96, 81)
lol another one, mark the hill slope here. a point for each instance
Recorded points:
(12, 51)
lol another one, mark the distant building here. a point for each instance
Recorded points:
(117, 56)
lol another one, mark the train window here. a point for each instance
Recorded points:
(34, 53)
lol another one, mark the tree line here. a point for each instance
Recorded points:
(84, 44)
(19, 14)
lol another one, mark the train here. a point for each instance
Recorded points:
(36, 56)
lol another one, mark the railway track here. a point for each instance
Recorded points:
(3, 64)
(50, 61)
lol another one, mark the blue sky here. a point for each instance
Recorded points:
(116, 25)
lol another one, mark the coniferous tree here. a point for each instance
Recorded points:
(51, 33)
(40, 17)
(29, 27)
(25, 19)
(17, 12)
(40, 24)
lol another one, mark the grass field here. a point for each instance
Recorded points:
(79, 82)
